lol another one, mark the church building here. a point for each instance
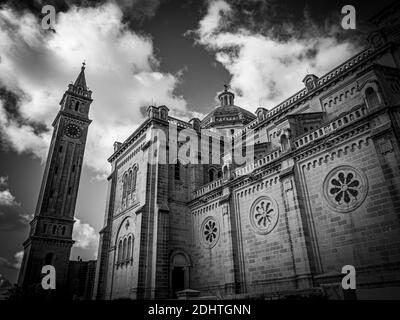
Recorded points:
(321, 192)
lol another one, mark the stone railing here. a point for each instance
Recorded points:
(259, 163)
(179, 123)
(330, 127)
(208, 187)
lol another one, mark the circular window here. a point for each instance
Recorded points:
(210, 232)
(264, 215)
(345, 188)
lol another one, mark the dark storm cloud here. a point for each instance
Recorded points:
(135, 11)
(10, 102)
(286, 19)
(11, 219)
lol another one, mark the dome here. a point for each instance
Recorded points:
(227, 113)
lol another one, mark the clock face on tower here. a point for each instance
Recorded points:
(72, 131)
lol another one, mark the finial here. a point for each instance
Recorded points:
(83, 65)
(226, 86)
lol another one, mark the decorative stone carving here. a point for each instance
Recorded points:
(345, 188)
(264, 215)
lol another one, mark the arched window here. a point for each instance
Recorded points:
(133, 246)
(119, 251)
(177, 171)
(124, 185)
(226, 171)
(211, 175)
(129, 248)
(77, 106)
(372, 97)
(129, 183)
(284, 142)
(124, 250)
(133, 179)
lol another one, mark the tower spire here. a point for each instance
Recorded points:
(81, 80)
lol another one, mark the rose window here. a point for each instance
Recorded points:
(264, 215)
(345, 188)
(210, 231)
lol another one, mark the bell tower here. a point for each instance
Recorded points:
(50, 238)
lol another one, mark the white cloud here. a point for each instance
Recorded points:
(15, 264)
(6, 198)
(122, 72)
(85, 237)
(18, 259)
(266, 70)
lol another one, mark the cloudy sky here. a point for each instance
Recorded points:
(141, 52)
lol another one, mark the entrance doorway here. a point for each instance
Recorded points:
(178, 280)
(179, 272)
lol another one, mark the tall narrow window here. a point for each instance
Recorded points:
(177, 171)
(129, 248)
(124, 250)
(372, 97)
(130, 181)
(284, 142)
(211, 175)
(134, 176)
(77, 106)
(133, 246)
(124, 185)
(119, 251)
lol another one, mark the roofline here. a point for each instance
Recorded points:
(326, 79)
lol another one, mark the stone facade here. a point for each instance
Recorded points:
(322, 192)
